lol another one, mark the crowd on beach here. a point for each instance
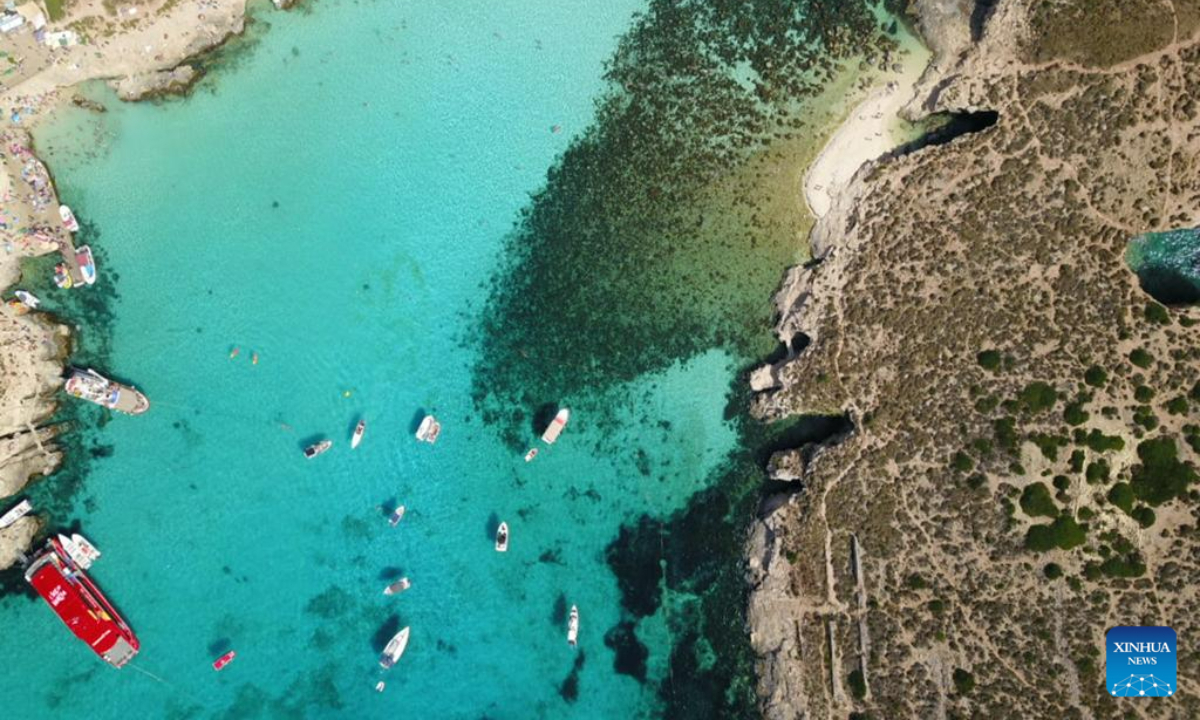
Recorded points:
(28, 209)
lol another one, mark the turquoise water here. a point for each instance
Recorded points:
(1168, 264)
(334, 202)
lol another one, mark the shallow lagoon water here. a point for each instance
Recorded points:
(344, 198)
(337, 215)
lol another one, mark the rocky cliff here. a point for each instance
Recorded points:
(1027, 418)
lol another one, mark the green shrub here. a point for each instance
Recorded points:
(1157, 314)
(989, 360)
(1006, 433)
(1177, 406)
(1124, 566)
(1144, 417)
(1097, 472)
(1195, 393)
(1141, 358)
(1037, 501)
(1100, 442)
(1061, 482)
(1161, 476)
(962, 462)
(964, 682)
(858, 686)
(982, 446)
(1052, 571)
(915, 582)
(1064, 533)
(1076, 461)
(976, 481)
(1074, 413)
(1037, 397)
(985, 405)
(1143, 393)
(1049, 444)
(1095, 376)
(1144, 516)
(1121, 495)
(937, 607)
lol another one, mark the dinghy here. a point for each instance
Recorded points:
(62, 276)
(573, 627)
(429, 430)
(358, 433)
(397, 587)
(397, 516)
(502, 537)
(220, 663)
(529, 456)
(393, 651)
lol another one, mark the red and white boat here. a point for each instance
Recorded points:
(220, 663)
(87, 264)
(81, 606)
(556, 426)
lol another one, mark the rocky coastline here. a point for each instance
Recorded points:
(882, 581)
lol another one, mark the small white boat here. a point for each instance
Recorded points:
(502, 537)
(573, 627)
(397, 516)
(15, 513)
(358, 433)
(379, 686)
(74, 552)
(30, 300)
(316, 449)
(429, 430)
(86, 548)
(397, 587)
(87, 264)
(556, 426)
(393, 651)
(529, 456)
(68, 218)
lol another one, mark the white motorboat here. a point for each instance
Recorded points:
(556, 426)
(573, 627)
(316, 449)
(31, 301)
(68, 218)
(358, 433)
(502, 537)
(397, 587)
(397, 516)
(529, 456)
(15, 513)
(429, 430)
(393, 651)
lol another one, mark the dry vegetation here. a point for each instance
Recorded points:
(1016, 394)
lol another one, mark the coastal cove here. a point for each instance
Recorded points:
(374, 234)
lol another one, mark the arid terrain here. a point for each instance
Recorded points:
(1020, 476)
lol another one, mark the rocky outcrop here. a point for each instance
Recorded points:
(16, 539)
(156, 83)
(786, 465)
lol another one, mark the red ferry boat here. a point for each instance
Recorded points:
(81, 605)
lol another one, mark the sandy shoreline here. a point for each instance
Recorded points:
(869, 132)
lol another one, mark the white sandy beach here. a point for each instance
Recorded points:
(868, 133)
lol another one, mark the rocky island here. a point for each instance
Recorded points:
(1026, 416)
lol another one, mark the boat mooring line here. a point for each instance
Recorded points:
(152, 676)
